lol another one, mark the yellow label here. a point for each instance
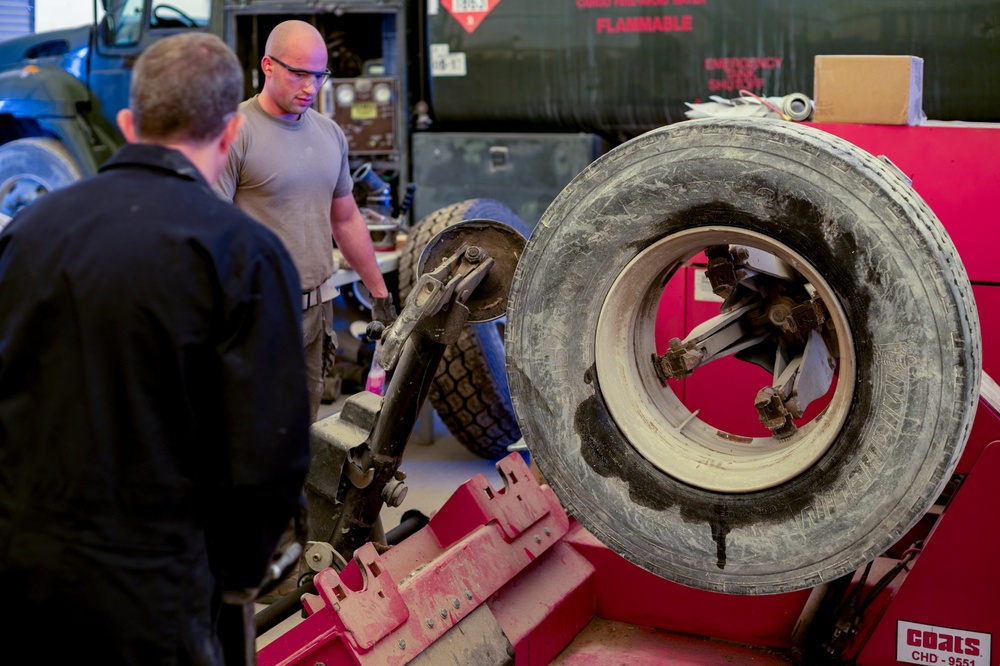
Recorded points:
(364, 111)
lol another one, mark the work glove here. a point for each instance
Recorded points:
(383, 310)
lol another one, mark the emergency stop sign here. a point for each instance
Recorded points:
(469, 13)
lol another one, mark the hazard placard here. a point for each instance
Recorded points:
(469, 13)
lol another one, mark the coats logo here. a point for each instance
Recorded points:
(469, 13)
(926, 644)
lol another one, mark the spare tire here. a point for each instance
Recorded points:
(469, 391)
(678, 497)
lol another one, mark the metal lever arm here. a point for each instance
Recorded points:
(458, 275)
(433, 318)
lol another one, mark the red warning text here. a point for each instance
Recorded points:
(740, 73)
(610, 25)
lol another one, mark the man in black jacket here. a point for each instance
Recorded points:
(153, 411)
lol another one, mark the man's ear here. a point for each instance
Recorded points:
(126, 123)
(231, 131)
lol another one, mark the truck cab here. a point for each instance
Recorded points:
(60, 91)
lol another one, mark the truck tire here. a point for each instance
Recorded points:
(580, 336)
(469, 391)
(30, 168)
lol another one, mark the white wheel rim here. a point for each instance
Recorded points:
(653, 419)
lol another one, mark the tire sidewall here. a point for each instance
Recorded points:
(851, 220)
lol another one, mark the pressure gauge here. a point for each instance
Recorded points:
(345, 95)
(382, 93)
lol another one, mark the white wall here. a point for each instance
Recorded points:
(57, 14)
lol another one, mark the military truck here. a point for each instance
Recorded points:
(490, 107)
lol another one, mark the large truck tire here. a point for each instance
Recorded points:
(30, 168)
(676, 496)
(469, 391)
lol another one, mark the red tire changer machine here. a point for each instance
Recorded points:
(505, 576)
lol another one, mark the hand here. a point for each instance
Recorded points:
(383, 310)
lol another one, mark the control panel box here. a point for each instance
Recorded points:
(365, 108)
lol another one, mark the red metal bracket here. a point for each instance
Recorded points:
(386, 609)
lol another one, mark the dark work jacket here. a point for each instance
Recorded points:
(153, 412)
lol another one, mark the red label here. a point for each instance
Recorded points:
(469, 13)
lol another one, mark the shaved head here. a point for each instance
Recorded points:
(293, 36)
(293, 47)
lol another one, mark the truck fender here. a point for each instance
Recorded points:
(32, 164)
(39, 91)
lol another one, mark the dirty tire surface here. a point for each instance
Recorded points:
(469, 391)
(898, 279)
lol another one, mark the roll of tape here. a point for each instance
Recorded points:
(797, 106)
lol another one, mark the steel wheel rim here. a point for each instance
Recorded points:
(18, 192)
(652, 417)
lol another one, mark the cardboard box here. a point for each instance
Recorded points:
(873, 89)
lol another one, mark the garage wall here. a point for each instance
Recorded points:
(16, 18)
(59, 14)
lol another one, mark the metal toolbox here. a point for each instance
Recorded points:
(524, 171)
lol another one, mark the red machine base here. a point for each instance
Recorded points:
(506, 577)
